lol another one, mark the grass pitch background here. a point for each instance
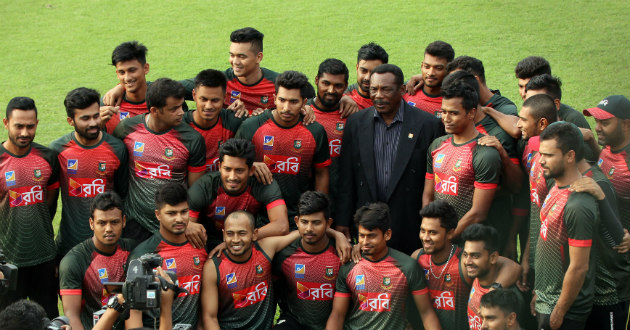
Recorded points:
(51, 47)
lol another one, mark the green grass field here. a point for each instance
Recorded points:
(50, 47)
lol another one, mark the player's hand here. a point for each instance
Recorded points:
(258, 111)
(532, 305)
(344, 248)
(587, 134)
(491, 141)
(309, 115)
(217, 250)
(196, 235)
(106, 113)
(344, 230)
(522, 283)
(486, 110)
(356, 253)
(589, 186)
(555, 319)
(114, 96)
(168, 295)
(239, 109)
(262, 173)
(624, 246)
(347, 106)
(414, 84)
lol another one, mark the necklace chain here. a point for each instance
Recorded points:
(445, 266)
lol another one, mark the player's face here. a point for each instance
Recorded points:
(527, 124)
(330, 89)
(454, 116)
(373, 242)
(433, 70)
(243, 60)
(289, 102)
(172, 113)
(107, 226)
(609, 131)
(476, 258)
(384, 92)
(234, 174)
(132, 74)
(209, 101)
(173, 218)
(521, 87)
(86, 122)
(493, 318)
(552, 161)
(21, 127)
(312, 227)
(364, 70)
(238, 236)
(432, 235)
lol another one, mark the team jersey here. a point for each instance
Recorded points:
(291, 153)
(154, 159)
(362, 102)
(501, 104)
(334, 125)
(568, 114)
(26, 236)
(616, 167)
(223, 130)
(457, 169)
(378, 290)
(127, 109)
(186, 262)
(83, 271)
(538, 190)
(431, 104)
(474, 303)
(211, 204)
(245, 291)
(85, 173)
(449, 291)
(567, 219)
(310, 282)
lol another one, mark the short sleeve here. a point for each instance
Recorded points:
(321, 158)
(487, 166)
(580, 213)
(270, 195)
(415, 279)
(341, 287)
(201, 194)
(70, 276)
(197, 152)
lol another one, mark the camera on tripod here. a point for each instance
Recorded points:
(9, 272)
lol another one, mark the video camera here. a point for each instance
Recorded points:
(57, 323)
(9, 272)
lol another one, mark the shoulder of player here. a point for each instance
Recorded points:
(48, 154)
(404, 260)
(127, 244)
(208, 182)
(350, 88)
(269, 74)
(315, 128)
(422, 118)
(79, 256)
(125, 126)
(230, 121)
(439, 141)
(148, 246)
(58, 144)
(581, 200)
(254, 122)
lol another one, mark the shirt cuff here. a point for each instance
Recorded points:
(324, 164)
(275, 203)
(485, 186)
(70, 292)
(197, 169)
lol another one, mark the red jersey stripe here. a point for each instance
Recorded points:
(429, 176)
(70, 292)
(275, 203)
(53, 186)
(580, 242)
(485, 186)
(420, 292)
(342, 294)
(194, 214)
(324, 164)
(197, 169)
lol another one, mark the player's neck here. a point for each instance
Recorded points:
(282, 123)
(204, 123)
(15, 150)
(318, 247)
(571, 174)
(583, 166)
(432, 90)
(172, 238)
(485, 94)
(491, 277)
(107, 249)
(137, 96)
(156, 125)
(479, 114)
(379, 256)
(251, 78)
(361, 92)
(320, 105)
(241, 258)
(467, 135)
(88, 143)
(621, 145)
(443, 255)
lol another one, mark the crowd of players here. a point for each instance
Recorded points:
(437, 180)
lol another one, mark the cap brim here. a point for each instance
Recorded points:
(598, 113)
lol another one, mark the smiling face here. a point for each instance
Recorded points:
(433, 235)
(610, 132)
(433, 70)
(239, 236)
(476, 259)
(86, 122)
(21, 126)
(209, 101)
(234, 174)
(454, 116)
(330, 89)
(527, 124)
(107, 226)
(364, 70)
(373, 242)
(132, 74)
(243, 60)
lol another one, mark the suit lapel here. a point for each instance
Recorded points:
(366, 151)
(406, 142)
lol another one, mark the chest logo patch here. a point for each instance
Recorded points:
(168, 153)
(458, 165)
(264, 99)
(102, 166)
(102, 275)
(72, 165)
(268, 142)
(387, 283)
(230, 279)
(438, 160)
(235, 95)
(37, 174)
(359, 282)
(171, 265)
(9, 178)
(123, 114)
(138, 149)
(330, 273)
(300, 270)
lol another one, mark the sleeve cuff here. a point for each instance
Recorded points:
(429, 176)
(197, 169)
(515, 161)
(194, 214)
(485, 186)
(580, 242)
(70, 292)
(53, 186)
(420, 292)
(324, 164)
(342, 294)
(275, 203)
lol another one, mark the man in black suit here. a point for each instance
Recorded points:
(384, 158)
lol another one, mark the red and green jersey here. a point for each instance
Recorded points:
(361, 101)
(291, 153)
(154, 159)
(474, 303)
(457, 169)
(224, 129)
(310, 282)
(538, 190)
(26, 234)
(187, 263)
(127, 109)
(567, 219)
(83, 271)
(431, 104)
(448, 289)
(211, 204)
(378, 290)
(501, 104)
(245, 292)
(616, 167)
(85, 173)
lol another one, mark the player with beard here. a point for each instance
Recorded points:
(499, 310)
(369, 57)
(93, 162)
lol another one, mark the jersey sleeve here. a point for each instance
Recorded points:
(50, 156)
(487, 166)
(248, 128)
(432, 147)
(121, 176)
(269, 195)
(612, 230)
(415, 279)
(579, 214)
(322, 155)
(70, 276)
(145, 247)
(230, 122)
(341, 287)
(201, 194)
(197, 152)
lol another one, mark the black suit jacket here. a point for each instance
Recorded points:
(357, 178)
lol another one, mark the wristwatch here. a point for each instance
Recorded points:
(496, 285)
(113, 303)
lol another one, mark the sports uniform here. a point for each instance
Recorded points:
(431, 104)
(362, 102)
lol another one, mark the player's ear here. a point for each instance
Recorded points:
(388, 234)
(472, 113)
(5, 121)
(259, 57)
(70, 121)
(571, 156)
(146, 68)
(450, 233)
(194, 93)
(329, 222)
(557, 103)
(511, 319)
(91, 223)
(124, 221)
(494, 257)
(255, 236)
(296, 219)
(153, 109)
(157, 214)
(316, 80)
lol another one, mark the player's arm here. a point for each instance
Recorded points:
(572, 283)
(347, 106)
(508, 272)
(428, 194)
(106, 322)
(51, 201)
(278, 222)
(210, 296)
(271, 245)
(510, 168)
(507, 122)
(414, 84)
(135, 319)
(166, 303)
(341, 302)
(425, 309)
(199, 195)
(482, 199)
(72, 309)
(114, 96)
(523, 283)
(322, 179)
(589, 138)
(193, 176)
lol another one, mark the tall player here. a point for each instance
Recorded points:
(92, 162)
(28, 201)
(369, 57)
(161, 149)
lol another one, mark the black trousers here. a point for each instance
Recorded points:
(38, 283)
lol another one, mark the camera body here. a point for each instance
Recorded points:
(57, 323)
(9, 271)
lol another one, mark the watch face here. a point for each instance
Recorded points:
(111, 300)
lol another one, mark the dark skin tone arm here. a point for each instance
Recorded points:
(482, 199)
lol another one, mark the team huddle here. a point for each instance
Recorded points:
(467, 212)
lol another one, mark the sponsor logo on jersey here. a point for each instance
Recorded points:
(359, 282)
(447, 277)
(192, 283)
(85, 187)
(297, 145)
(168, 153)
(387, 283)
(374, 301)
(543, 226)
(102, 275)
(123, 114)
(426, 274)
(138, 149)
(314, 291)
(283, 164)
(9, 178)
(152, 171)
(529, 159)
(458, 165)
(413, 104)
(335, 147)
(37, 174)
(196, 261)
(235, 95)
(446, 186)
(610, 173)
(24, 196)
(340, 126)
(230, 279)
(170, 264)
(72, 166)
(438, 161)
(472, 293)
(474, 321)
(212, 164)
(102, 166)
(219, 212)
(264, 99)
(600, 161)
(250, 296)
(268, 142)
(329, 273)
(259, 271)
(300, 270)
(444, 300)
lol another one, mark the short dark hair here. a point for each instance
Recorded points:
(312, 202)
(372, 51)
(440, 49)
(532, 66)
(80, 98)
(309, 91)
(161, 89)
(568, 137)
(505, 299)
(482, 233)
(393, 69)
(211, 78)
(551, 85)
(470, 64)
(249, 34)
(171, 193)
(542, 106)
(442, 210)
(373, 216)
(333, 66)
(239, 148)
(130, 50)
(293, 80)
(459, 88)
(21, 103)
(249, 216)
(106, 201)
(23, 315)
(463, 76)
